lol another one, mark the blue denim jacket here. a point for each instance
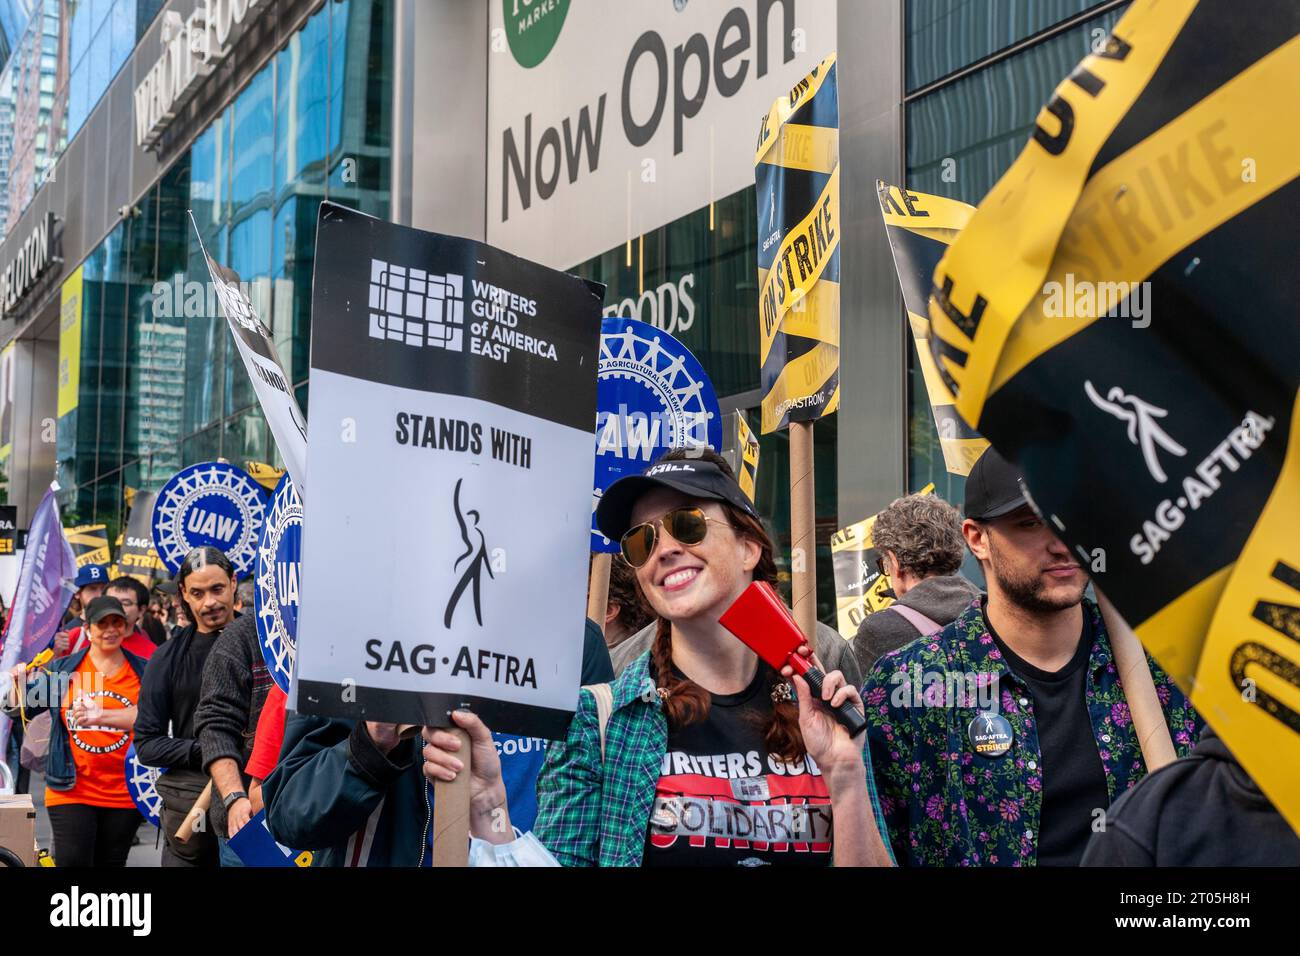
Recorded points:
(47, 686)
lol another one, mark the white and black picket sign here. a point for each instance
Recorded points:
(450, 456)
(271, 384)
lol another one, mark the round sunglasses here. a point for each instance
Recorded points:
(686, 525)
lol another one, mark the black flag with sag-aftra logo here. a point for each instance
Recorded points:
(1119, 317)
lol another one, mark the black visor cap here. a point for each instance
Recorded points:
(696, 478)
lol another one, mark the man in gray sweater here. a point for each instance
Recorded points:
(920, 545)
(235, 685)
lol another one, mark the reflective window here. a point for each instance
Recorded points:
(697, 283)
(302, 108)
(944, 36)
(162, 385)
(360, 105)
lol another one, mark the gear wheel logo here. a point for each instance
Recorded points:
(652, 395)
(211, 503)
(279, 555)
(141, 783)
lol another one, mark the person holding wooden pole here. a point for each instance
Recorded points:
(1002, 739)
(697, 728)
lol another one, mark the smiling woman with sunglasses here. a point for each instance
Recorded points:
(698, 754)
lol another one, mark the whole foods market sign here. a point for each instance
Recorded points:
(643, 110)
(191, 49)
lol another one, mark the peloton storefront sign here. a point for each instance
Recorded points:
(191, 49)
(28, 264)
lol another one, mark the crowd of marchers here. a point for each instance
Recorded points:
(685, 748)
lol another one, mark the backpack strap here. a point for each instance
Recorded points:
(604, 695)
(926, 626)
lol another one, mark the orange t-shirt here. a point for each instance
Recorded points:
(98, 752)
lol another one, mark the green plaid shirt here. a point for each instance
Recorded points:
(594, 812)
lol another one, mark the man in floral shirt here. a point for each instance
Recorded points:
(1002, 739)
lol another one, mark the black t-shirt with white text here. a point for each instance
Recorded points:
(721, 800)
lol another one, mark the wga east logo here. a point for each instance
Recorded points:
(532, 27)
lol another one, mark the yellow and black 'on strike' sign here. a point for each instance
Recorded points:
(1119, 318)
(797, 185)
(89, 544)
(747, 453)
(920, 228)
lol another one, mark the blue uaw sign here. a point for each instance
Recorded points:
(141, 783)
(652, 395)
(279, 557)
(211, 503)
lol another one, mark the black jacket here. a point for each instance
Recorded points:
(164, 726)
(1202, 810)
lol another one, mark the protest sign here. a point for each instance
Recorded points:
(747, 456)
(255, 846)
(138, 558)
(797, 185)
(268, 476)
(89, 544)
(274, 388)
(211, 503)
(1117, 318)
(920, 227)
(652, 395)
(8, 529)
(8, 552)
(467, 377)
(278, 572)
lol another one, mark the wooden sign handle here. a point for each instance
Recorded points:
(451, 811)
(803, 532)
(1140, 690)
(196, 813)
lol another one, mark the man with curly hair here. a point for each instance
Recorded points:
(920, 545)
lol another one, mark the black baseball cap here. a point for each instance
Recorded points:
(993, 488)
(102, 607)
(696, 477)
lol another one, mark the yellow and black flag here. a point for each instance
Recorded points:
(747, 452)
(268, 476)
(89, 544)
(860, 588)
(797, 183)
(1119, 318)
(136, 556)
(920, 228)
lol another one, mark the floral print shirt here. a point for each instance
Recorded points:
(943, 804)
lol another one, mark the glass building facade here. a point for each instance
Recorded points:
(161, 385)
(61, 66)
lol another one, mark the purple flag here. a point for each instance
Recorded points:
(45, 586)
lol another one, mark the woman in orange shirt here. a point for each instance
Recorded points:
(96, 689)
